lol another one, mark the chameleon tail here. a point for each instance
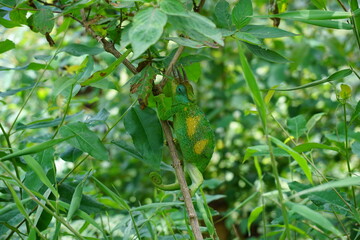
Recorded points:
(157, 181)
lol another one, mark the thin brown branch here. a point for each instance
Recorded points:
(181, 178)
(108, 46)
(171, 66)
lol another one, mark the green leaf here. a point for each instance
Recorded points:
(328, 24)
(312, 15)
(313, 216)
(35, 149)
(222, 14)
(18, 16)
(241, 12)
(254, 88)
(322, 197)
(30, 66)
(129, 149)
(305, 147)
(43, 21)
(313, 120)
(46, 161)
(85, 140)
(186, 42)
(71, 154)
(354, 115)
(10, 207)
(158, 205)
(173, 7)
(198, 27)
(247, 37)
(76, 199)
(297, 126)
(333, 77)
(261, 31)
(193, 71)
(355, 147)
(266, 54)
(36, 167)
(88, 203)
(48, 122)
(346, 182)
(263, 150)
(146, 132)
(8, 24)
(321, 4)
(121, 202)
(298, 158)
(146, 29)
(79, 50)
(253, 216)
(14, 91)
(99, 75)
(6, 45)
(82, 215)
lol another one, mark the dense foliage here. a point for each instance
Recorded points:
(79, 133)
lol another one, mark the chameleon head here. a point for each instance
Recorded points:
(181, 94)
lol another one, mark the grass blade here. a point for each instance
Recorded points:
(298, 158)
(254, 88)
(36, 167)
(35, 149)
(313, 216)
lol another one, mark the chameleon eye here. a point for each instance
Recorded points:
(181, 89)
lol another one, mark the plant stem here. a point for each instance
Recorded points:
(347, 153)
(35, 199)
(65, 112)
(278, 184)
(181, 178)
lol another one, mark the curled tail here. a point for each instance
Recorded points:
(157, 181)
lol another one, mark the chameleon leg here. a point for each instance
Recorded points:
(195, 176)
(157, 181)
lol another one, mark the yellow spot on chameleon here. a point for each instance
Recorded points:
(191, 124)
(200, 145)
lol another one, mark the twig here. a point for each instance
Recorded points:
(181, 178)
(108, 46)
(171, 66)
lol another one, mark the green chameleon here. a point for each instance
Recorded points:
(193, 134)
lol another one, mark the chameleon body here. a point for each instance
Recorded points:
(194, 136)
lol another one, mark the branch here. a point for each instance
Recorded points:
(108, 46)
(181, 178)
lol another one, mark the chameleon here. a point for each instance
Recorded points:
(194, 135)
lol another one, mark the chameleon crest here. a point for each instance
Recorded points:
(194, 135)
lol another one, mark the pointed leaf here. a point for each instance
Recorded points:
(6, 45)
(85, 140)
(222, 14)
(146, 29)
(261, 31)
(313, 216)
(266, 54)
(241, 12)
(298, 158)
(99, 75)
(253, 216)
(297, 126)
(37, 168)
(36, 148)
(173, 7)
(146, 133)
